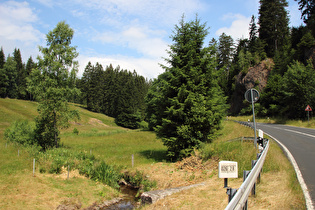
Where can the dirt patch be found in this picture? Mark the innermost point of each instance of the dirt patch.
(64, 174)
(94, 121)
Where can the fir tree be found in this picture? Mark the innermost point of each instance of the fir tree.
(30, 65)
(307, 8)
(21, 75)
(186, 102)
(9, 69)
(2, 58)
(274, 25)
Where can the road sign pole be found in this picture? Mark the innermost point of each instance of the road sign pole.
(252, 97)
(308, 116)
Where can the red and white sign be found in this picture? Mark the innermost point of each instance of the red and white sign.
(308, 108)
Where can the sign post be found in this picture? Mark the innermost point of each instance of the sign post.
(308, 109)
(228, 169)
(252, 95)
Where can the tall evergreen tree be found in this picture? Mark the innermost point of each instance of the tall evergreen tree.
(225, 53)
(253, 34)
(189, 104)
(21, 74)
(3, 76)
(11, 75)
(307, 8)
(30, 65)
(274, 25)
(2, 58)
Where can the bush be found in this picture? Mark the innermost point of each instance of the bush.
(21, 132)
(143, 125)
(76, 131)
(138, 180)
(128, 120)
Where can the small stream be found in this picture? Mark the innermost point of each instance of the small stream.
(129, 200)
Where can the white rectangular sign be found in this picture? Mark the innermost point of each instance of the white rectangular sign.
(260, 133)
(228, 169)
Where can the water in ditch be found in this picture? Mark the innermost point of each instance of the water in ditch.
(129, 200)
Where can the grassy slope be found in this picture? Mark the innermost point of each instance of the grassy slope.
(99, 134)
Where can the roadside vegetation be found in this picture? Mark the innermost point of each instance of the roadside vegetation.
(299, 123)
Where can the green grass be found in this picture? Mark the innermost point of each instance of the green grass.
(299, 123)
(99, 135)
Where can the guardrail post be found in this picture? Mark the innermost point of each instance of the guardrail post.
(253, 163)
(254, 189)
(258, 155)
(231, 192)
(245, 174)
(245, 205)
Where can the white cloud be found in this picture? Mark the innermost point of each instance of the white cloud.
(158, 12)
(145, 41)
(17, 30)
(47, 3)
(16, 20)
(239, 27)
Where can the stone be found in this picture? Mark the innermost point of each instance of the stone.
(153, 196)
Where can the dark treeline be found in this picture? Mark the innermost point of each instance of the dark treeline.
(14, 74)
(115, 92)
(112, 91)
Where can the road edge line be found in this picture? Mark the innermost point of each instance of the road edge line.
(308, 200)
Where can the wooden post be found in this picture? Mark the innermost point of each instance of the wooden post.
(68, 171)
(34, 167)
(132, 160)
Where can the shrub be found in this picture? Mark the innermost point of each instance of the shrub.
(128, 120)
(138, 180)
(21, 132)
(76, 131)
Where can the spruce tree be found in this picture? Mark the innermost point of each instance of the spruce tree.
(186, 104)
(274, 25)
(307, 8)
(225, 54)
(3, 76)
(30, 65)
(9, 69)
(21, 74)
(2, 58)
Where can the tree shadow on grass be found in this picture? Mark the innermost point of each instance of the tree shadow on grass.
(157, 155)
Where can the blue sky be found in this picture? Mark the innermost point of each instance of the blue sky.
(134, 34)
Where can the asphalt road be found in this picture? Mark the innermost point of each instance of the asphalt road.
(301, 143)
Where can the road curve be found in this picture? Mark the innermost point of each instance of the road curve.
(301, 144)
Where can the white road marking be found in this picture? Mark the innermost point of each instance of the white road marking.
(292, 131)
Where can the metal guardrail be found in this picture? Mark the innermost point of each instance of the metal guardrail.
(239, 200)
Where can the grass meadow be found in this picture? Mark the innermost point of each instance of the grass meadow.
(98, 135)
